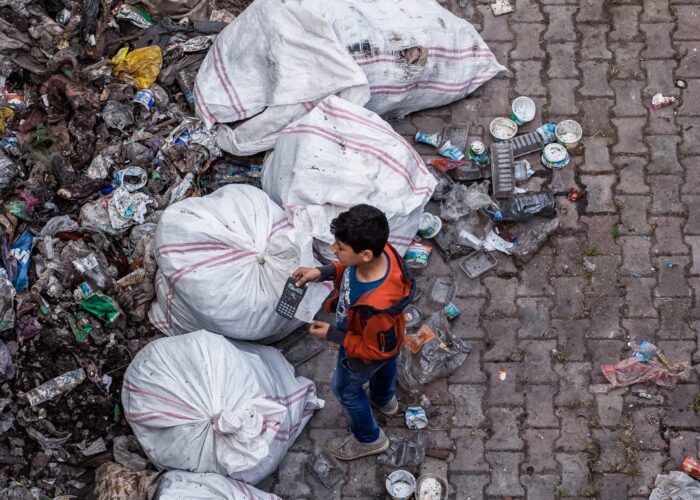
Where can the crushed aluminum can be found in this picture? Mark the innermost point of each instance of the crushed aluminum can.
(691, 466)
(548, 132)
(432, 139)
(555, 156)
(660, 101)
(451, 311)
(416, 417)
(145, 98)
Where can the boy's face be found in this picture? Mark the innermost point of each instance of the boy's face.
(348, 257)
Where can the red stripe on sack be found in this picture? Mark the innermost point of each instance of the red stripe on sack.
(245, 489)
(226, 82)
(143, 417)
(344, 113)
(396, 59)
(436, 88)
(459, 51)
(202, 248)
(462, 57)
(276, 229)
(190, 244)
(138, 390)
(303, 390)
(377, 153)
(308, 106)
(465, 83)
(230, 259)
(201, 104)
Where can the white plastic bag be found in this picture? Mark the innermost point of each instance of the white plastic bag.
(340, 155)
(675, 485)
(279, 58)
(179, 485)
(202, 403)
(223, 261)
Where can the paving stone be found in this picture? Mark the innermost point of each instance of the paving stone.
(573, 384)
(567, 257)
(539, 406)
(502, 52)
(664, 159)
(627, 63)
(495, 27)
(469, 453)
(600, 233)
(680, 412)
(291, 475)
(658, 40)
(562, 97)
(695, 283)
(528, 77)
(614, 485)
(691, 95)
(363, 478)
(438, 393)
(527, 36)
(471, 485)
(662, 121)
(562, 60)
(565, 178)
(537, 362)
(534, 279)
(612, 456)
(567, 212)
(656, 11)
(574, 471)
(534, 316)
(665, 191)
(502, 292)
(540, 486)
(692, 204)
(689, 66)
(466, 325)
(595, 79)
(504, 429)
(674, 313)
(594, 42)
(694, 242)
(329, 416)
(540, 443)
(605, 315)
(560, 27)
(504, 392)
(688, 19)
(605, 352)
(609, 408)
(633, 215)
(599, 193)
(638, 302)
(591, 10)
(470, 371)
(625, 23)
(501, 339)
(527, 11)
(635, 255)
(496, 101)
(660, 76)
(595, 117)
(629, 134)
(571, 337)
(668, 237)
(468, 404)
(647, 429)
(575, 430)
(567, 298)
(504, 474)
(631, 170)
(691, 166)
(678, 350)
(628, 98)
(650, 465)
(597, 156)
(683, 444)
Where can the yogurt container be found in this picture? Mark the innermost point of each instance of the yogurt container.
(523, 110)
(145, 98)
(400, 485)
(555, 156)
(503, 128)
(569, 133)
(430, 225)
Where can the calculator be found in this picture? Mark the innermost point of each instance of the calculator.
(290, 299)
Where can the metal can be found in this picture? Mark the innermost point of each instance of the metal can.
(145, 98)
(451, 311)
(555, 156)
(478, 154)
(416, 417)
(691, 466)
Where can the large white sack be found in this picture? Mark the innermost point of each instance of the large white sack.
(340, 155)
(223, 261)
(202, 403)
(180, 485)
(281, 57)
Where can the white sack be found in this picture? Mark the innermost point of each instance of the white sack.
(281, 57)
(202, 403)
(179, 485)
(340, 155)
(223, 261)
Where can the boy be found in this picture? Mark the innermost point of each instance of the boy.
(372, 288)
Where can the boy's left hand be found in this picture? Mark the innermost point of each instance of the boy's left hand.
(319, 329)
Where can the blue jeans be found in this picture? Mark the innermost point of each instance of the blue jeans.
(347, 387)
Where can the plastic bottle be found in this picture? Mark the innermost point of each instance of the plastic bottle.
(522, 207)
(91, 270)
(187, 86)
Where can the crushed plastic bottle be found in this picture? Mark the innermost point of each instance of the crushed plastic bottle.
(522, 207)
(326, 468)
(404, 452)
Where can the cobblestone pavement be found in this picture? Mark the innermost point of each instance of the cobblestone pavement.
(543, 433)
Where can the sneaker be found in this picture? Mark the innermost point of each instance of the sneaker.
(390, 409)
(349, 448)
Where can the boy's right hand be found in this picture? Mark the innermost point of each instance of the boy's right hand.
(305, 275)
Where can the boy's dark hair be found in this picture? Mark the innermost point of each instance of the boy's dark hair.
(363, 227)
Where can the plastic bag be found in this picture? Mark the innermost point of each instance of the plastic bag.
(655, 368)
(675, 485)
(464, 200)
(342, 144)
(102, 306)
(223, 262)
(179, 485)
(202, 403)
(140, 66)
(21, 250)
(7, 302)
(7, 365)
(432, 352)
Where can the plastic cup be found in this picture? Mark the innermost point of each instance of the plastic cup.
(523, 110)
(569, 133)
(400, 485)
(503, 128)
